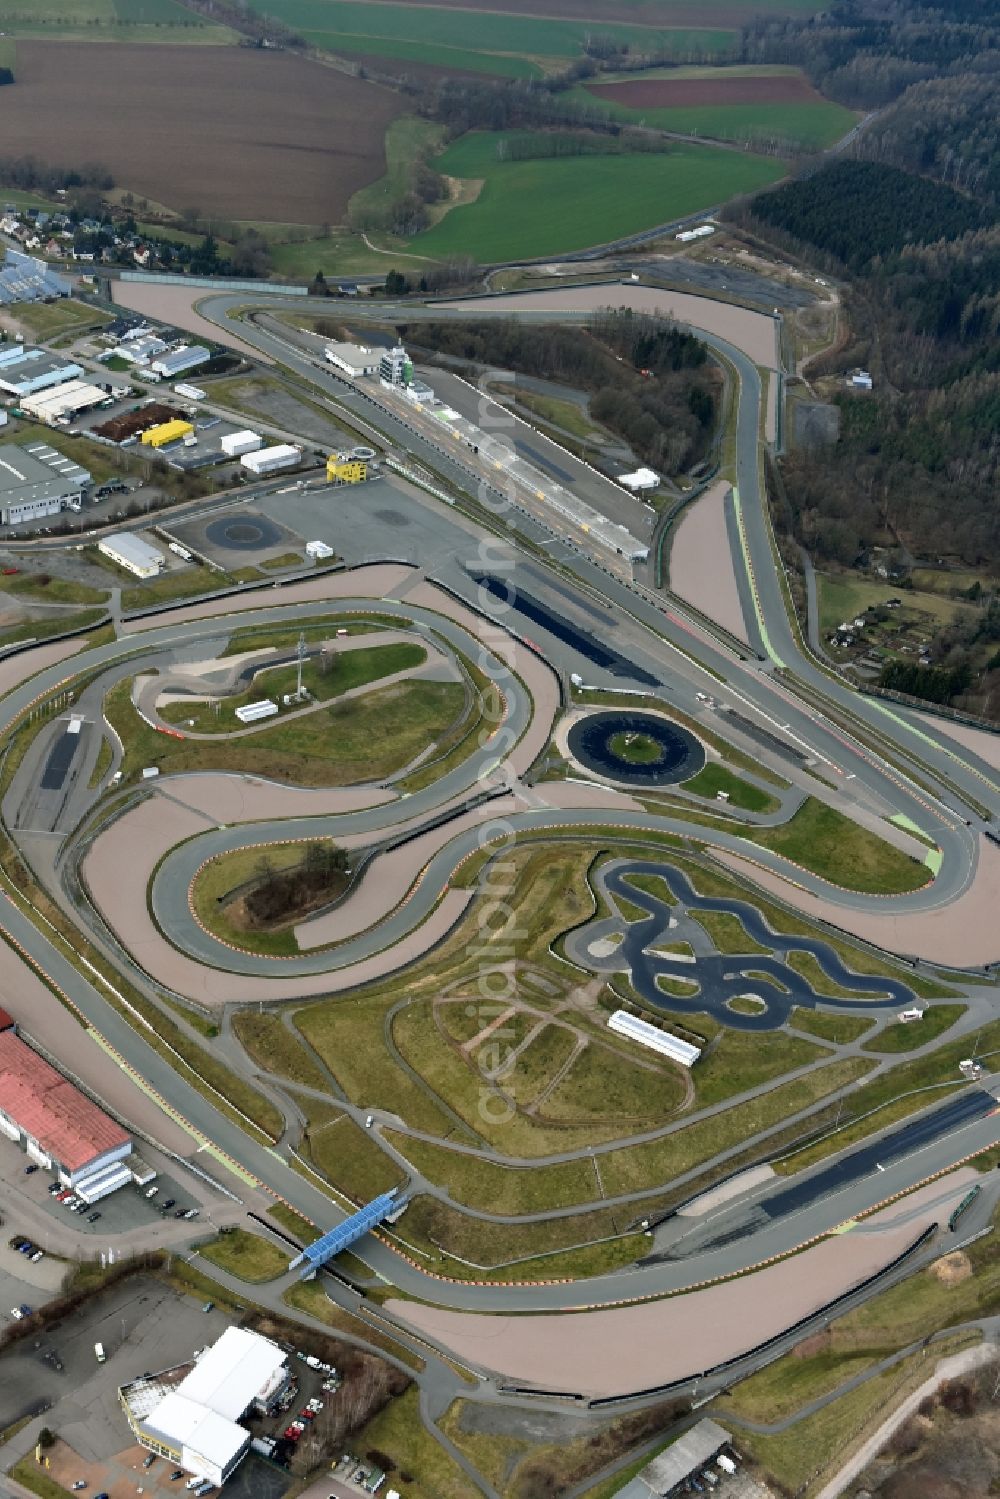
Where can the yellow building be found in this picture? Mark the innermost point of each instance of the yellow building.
(344, 468)
(166, 432)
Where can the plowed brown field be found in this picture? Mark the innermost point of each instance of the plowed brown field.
(236, 132)
(668, 93)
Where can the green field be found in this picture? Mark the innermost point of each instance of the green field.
(478, 40)
(554, 205)
(46, 319)
(110, 20)
(831, 845)
(810, 123)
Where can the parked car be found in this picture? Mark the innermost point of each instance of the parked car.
(30, 1170)
(62, 1195)
(166, 1206)
(149, 1460)
(192, 1212)
(81, 1483)
(26, 1247)
(181, 1213)
(93, 1217)
(38, 1254)
(16, 1313)
(177, 1473)
(54, 1187)
(151, 1191)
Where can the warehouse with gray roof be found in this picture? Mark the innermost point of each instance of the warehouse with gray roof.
(24, 369)
(36, 481)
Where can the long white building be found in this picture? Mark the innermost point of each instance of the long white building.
(650, 1035)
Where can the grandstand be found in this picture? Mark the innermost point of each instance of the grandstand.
(23, 279)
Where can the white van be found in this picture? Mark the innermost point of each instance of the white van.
(99, 1353)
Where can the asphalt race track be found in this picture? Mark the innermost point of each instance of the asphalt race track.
(883, 762)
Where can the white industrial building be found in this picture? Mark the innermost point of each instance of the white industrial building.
(24, 370)
(36, 481)
(271, 460)
(180, 360)
(354, 359)
(318, 550)
(191, 1415)
(650, 1035)
(254, 712)
(133, 553)
(235, 444)
(59, 1127)
(140, 350)
(52, 406)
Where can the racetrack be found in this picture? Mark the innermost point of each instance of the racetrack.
(654, 637)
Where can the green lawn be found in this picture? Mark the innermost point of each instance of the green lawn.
(363, 740)
(477, 40)
(845, 596)
(825, 841)
(275, 1048)
(728, 932)
(49, 590)
(247, 1255)
(46, 319)
(908, 1035)
(812, 123)
(840, 1029)
(557, 412)
(348, 670)
(715, 778)
(58, 624)
(553, 205)
(806, 964)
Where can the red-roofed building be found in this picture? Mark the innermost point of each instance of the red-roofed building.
(7, 1021)
(58, 1125)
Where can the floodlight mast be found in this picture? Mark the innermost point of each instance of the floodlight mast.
(301, 653)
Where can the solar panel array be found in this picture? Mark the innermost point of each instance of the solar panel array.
(23, 279)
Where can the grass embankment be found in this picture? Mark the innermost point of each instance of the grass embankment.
(551, 205)
(45, 589)
(829, 844)
(715, 778)
(899, 1092)
(366, 739)
(219, 886)
(345, 672)
(292, 1222)
(274, 1048)
(246, 1255)
(59, 624)
(310, 1297)
(347, 1155)
(278, 637)
(841, 1029)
